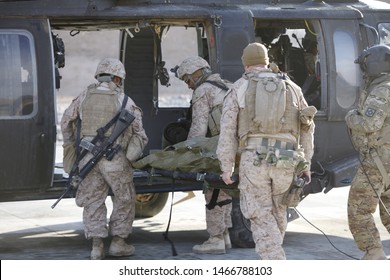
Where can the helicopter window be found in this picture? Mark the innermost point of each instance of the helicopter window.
(293, 47)
(347, 79)
(384, 33)
(178, 44)
(18, 76)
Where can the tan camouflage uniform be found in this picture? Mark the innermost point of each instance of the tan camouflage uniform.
(203, 99)
(116, 174)
(261, 185)
(369, 126)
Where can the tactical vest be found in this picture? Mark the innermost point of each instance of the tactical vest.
(271, 109)
(97, 109)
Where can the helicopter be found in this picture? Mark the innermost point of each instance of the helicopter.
(329, 33)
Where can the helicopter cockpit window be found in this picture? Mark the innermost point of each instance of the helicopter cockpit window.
(384, 33)
(347, 79)
(18, 74)
(293, 46)
(177, 44)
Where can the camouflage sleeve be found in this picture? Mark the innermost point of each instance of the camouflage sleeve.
(68, 121)
(200, 114)
(373, 112)
(306, 136)
(307, 141)
(228, 139)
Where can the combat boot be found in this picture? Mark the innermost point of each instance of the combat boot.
(215, 245)
(375, 254)
(119, 248)
(226, 238)
(97, 252)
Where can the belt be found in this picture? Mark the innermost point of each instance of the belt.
(256, 142)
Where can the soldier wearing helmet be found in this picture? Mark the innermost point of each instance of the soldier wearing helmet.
(208, 93)
(266, 120)
(93, 109)
(108, 69)
(369, 126)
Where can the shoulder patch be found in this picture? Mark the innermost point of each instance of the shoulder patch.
(370, 112)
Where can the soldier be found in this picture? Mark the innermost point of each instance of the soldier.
(95, 107)
(208, 93)
(369, 126)
(266, 119)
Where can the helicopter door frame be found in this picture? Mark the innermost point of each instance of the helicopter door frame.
(27, 103)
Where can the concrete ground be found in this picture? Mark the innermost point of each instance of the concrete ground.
(31, 230)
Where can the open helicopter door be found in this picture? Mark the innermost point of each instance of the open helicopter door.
(141, 55)
(27, 111)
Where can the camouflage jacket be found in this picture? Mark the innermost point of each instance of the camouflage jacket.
(369, 123)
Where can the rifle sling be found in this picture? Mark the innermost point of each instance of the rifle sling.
(381, 168)
(220, 85)
(213, 201)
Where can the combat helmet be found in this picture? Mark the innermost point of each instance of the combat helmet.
(110, 67)
(375, 60)
(191, 65)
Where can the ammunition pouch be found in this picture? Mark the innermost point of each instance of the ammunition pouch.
(70, 156)
(214, 120)
(275, 152)
(277, 157)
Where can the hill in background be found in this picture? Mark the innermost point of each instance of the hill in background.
(84, 51)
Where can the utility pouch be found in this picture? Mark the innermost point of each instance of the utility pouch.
(294, 194)
(277, 157)
(285, 159)
(215, 119)
(292, 197)
(70, 157)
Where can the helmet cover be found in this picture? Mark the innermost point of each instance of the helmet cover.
(111, 66)
(191, 65)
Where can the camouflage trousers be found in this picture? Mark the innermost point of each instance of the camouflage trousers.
(362, 203)
(92, 194)
(261, 194)
(218, 219)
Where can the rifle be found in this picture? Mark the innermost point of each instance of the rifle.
(105, 148)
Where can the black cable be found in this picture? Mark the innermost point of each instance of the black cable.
(165, 234)
(325, 236)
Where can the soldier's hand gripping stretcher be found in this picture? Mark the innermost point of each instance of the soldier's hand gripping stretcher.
(228, 178)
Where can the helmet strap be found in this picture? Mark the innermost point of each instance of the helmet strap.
(114, 87)
(201, 75)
